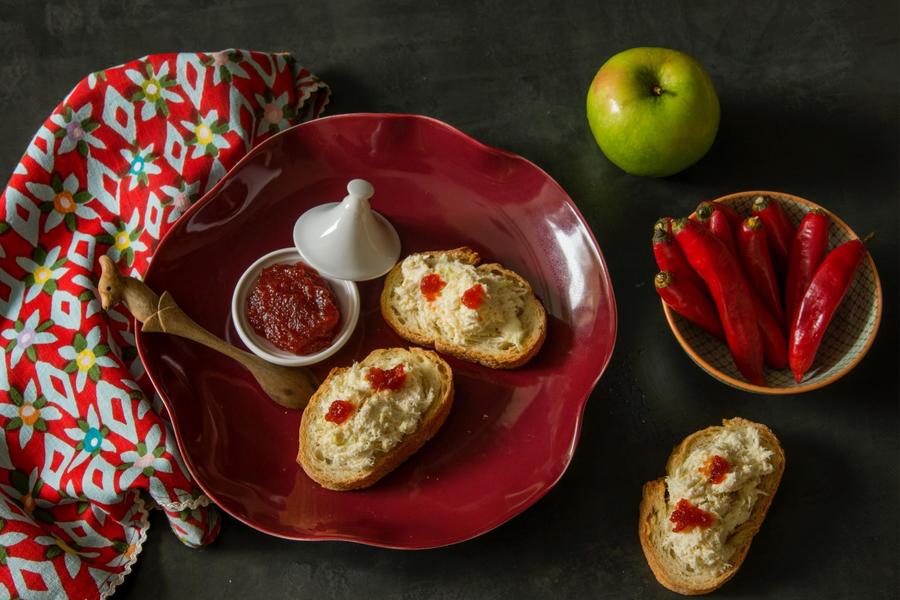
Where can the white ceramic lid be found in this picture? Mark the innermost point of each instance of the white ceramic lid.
(347, 239)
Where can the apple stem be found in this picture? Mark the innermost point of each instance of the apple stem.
(657, 90)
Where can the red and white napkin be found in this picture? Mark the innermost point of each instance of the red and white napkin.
(84, 450)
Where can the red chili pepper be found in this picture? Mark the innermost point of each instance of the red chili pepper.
(772, 334)
(754, 251)
(670, 258)
(780, 230)
(721, 228)
(731, 292)
(823, 296)
(689, 301)
(807, 253)
(771, 328)
(706, 208)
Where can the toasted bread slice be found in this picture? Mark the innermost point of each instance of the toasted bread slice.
(505, 331)
(697, 561)
(384, 427)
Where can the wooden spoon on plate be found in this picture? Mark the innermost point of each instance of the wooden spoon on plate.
(290, 387)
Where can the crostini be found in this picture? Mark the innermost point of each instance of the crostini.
(365, 420)
(696, 524)
(448, 301)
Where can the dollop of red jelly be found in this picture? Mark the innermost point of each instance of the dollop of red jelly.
(431, 286)
(387, 379)
(474, 296)
(293, 307)
(688, 516)
(715, 469)
(339, 411)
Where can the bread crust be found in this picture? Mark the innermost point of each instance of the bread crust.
(654, 510)
(506, 360)
(431, 422)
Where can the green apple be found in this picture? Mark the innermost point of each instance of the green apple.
(653, 111)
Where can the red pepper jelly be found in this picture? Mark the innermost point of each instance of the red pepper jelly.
(339, 411)
(687, 516)
(390, 379)
(293, 307)
(715, 469)
(431, 286)
(474, 296)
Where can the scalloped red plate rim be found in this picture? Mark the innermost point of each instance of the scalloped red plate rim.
(570, 451)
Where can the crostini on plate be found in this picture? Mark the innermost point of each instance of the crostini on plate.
(447, 300)
(366, 419)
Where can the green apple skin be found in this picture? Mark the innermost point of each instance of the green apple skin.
(653, 111)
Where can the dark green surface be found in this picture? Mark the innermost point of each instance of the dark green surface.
(809, 99)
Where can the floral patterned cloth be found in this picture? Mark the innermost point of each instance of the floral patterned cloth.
(83, 449)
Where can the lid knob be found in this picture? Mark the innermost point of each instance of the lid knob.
(359, 188)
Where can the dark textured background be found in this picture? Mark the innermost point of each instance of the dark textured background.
(810, 100)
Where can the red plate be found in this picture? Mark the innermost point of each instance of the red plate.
(511, 434)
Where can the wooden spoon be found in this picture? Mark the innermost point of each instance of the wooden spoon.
(288, 386)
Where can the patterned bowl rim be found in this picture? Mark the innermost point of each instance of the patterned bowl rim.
(812, 385)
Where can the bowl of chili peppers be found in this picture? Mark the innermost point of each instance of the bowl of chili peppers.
(768, 292)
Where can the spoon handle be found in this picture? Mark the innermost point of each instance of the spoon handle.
(159, 314)
(174, 321)
(289, 387)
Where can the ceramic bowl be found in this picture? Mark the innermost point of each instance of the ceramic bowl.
(346, 293)
(848, 338)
